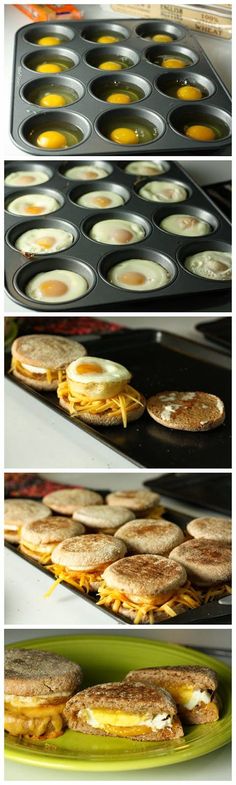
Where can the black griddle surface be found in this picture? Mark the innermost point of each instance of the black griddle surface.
(208, 491)
(159, 361)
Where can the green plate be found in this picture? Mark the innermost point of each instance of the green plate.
(108, 658)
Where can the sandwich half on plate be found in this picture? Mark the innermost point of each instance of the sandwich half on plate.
(134, 711)
(192, 687)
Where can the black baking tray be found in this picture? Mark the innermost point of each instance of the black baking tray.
(218, 331)
(206, 491)
(208, 614)
(93, 259)
(159, 361)
(93, 115)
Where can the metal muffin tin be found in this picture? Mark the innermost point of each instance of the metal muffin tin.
(93, 115)
(206, 614)
(93, 259)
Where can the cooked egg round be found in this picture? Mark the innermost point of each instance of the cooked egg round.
(189, 92)
(163, 191)
(49, 40)
(33, 204)
(139, 275)
(44, 241)
(51, 140)
(215, 265)
(202, 133)
(94, 369)
(87, 172)
(56, 286)
(27, 178)
(147, 168)
(186, 225)
(117, 232)
(110, 65)
(101, 199)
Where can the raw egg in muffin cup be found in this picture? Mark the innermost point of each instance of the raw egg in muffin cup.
(51, 94)
(55, 64)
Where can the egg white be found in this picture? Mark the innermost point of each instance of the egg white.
(28, 242)
(17, 178)
(111, 371)
(80, 172)
(175, 225)
(206, 264)
(103, 231)
(141, 167)
(156, 276)
(87, 200)
(19, 205)
(163, 191)
(77, 286)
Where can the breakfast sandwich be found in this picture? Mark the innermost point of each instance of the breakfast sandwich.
(134, 711)
(66, 500)
(142, 502)
(211, 528)
(41, 360)
(98, 392)
(21, 512)
(187, 411)
(147, 588)
(150, 535)
(103, 518)
(81, 560)
(193, 689)
(37, 686)
(207, 563)
(39, 538)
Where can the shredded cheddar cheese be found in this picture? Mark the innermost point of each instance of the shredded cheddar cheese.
(120, 404)
(186, 596)
(218, 591)
(50, 375)
(80, 580)
(43, 558)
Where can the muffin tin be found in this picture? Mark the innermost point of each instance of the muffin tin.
(93, 115)
(158, 361)
(93, 259)
(208, 613)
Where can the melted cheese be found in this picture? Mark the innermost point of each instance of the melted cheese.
(33, 721)
(187, 597)
(41, 553)
(42, 374)
(115, 719)
(187, 696)
(122, 404)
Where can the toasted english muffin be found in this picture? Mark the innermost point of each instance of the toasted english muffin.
(148, 535)
(212, 528)
(18, 513)
(186, 411)
(40, 360)
(206, 562)
(67, 500)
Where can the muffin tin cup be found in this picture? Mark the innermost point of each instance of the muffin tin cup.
(49, 83)
(46, 120)
(209, 245)
(171, 141)
(171, 51)
(114, 118)
(166, 80)
(180, 208)
(48, 54)
(87, 187)
(37, 189)
(45, 264)
(37, 31)
(42, 223)
(160, 178)
(103, 82)
(148, 29)
(158, 244)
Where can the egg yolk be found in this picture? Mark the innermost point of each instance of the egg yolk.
(101, 201)
(52, 99)
(122, 236)
(26, 180)
(201, 133)
(89, 368)
(134, 279)
(48, 40)
(173, 62)
(51, 139)
(90, 175)
(53, 288)
(110, 65)
(33, 209)
(189, 93)
(48, 68)
(45, 242)
(107, 39)
(162, 38)
(124, 136)
(119, 98)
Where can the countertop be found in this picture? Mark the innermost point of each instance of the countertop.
(210, 768)
(36, 437)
